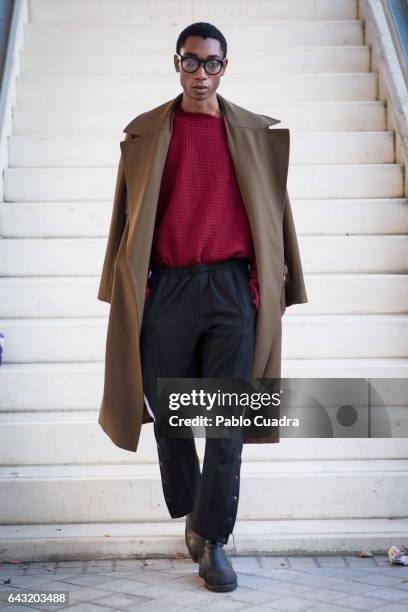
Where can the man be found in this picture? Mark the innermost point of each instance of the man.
(202, 299)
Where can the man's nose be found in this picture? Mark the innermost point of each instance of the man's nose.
(201, 72)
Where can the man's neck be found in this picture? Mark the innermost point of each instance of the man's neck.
(209, 107)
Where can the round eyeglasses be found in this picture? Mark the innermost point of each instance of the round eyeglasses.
(191, 64)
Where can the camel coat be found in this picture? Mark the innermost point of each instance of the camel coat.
(261, 158)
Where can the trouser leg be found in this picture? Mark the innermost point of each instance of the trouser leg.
(168, 339)
(229, 318)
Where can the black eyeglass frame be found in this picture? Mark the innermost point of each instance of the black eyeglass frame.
(203, 62)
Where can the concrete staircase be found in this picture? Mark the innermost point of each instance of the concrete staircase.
(65, 490)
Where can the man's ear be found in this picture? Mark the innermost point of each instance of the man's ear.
(175, 59)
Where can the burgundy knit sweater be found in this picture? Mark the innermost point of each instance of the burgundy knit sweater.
(201, 217)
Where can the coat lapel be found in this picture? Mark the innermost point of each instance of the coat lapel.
(260, 156)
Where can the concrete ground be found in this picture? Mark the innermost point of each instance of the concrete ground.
(287, 583)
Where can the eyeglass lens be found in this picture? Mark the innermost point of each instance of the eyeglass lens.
(190, 64)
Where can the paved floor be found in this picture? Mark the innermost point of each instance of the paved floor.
(313, 583)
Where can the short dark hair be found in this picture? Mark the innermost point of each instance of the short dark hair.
(203, 29)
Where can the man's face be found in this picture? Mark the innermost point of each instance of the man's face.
(200, 48)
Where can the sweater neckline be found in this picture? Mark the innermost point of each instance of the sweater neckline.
(181, 111)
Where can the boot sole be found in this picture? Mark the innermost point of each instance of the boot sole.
(223, 588)
(220, 588)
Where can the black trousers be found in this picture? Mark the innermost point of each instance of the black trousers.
(199, 322)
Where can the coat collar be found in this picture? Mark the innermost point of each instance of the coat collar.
(161, 117)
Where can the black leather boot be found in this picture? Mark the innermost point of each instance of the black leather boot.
(194, 541)
(215, 567)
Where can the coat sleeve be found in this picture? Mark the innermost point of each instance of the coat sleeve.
(117, 225)
(295, 291)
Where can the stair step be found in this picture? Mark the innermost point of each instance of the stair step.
(364, 489)
(306, 181)
(34, 151)
(98, 91)
(74, 541)
(321, 216)
(78, 386)
(349, 216)
(304, 337)
(64, 296)
(261, 35)
(48, 12)
(65, 60)
(345, 368)
(75, 437)
(340, 116)
(51, 386)
(320, 254)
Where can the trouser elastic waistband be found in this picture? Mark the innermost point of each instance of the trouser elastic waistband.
(204, 267)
